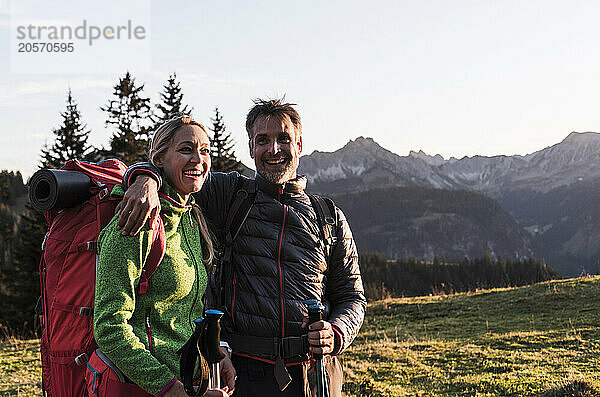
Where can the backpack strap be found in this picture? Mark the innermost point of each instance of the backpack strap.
(238, 212)
(245, 193)
(155, 256)
(328, 221)
(222, 272)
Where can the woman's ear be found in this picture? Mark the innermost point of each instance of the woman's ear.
(156, 159)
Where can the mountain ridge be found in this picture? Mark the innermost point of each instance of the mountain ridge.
(364, 155)
(530, 187)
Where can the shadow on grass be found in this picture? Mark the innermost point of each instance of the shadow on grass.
(525, 343)
(577, 388)
(364, 387)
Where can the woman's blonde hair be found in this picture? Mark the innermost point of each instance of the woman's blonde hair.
(162, 139)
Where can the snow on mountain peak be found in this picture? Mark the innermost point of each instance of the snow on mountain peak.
(364, 160)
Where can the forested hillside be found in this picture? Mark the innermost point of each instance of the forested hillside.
(383, 278)
(400, 222)
(12, 203)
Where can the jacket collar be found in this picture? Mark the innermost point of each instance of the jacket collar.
(292, 187)
(172, 201)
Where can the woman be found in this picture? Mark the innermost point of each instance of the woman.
(141, 334)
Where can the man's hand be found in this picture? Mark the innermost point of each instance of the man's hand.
(177, 390)
(320, 336)
(139, 204)
(227, 373)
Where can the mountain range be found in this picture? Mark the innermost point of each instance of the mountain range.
(550, 194)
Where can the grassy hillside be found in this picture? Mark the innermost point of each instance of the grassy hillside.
(20, 370)
(528, 341)
(531, 341)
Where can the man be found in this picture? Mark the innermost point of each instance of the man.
(278, 261)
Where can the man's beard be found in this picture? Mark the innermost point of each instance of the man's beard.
(280, 176)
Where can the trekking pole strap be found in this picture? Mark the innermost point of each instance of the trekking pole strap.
(191, 361)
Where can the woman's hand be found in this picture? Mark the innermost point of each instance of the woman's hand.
(139, 204)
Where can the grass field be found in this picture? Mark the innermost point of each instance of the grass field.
(542, 340)
(20, 370)
(529, 341)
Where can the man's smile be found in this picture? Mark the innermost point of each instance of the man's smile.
(277, 161)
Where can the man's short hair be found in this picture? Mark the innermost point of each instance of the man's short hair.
(273, 108)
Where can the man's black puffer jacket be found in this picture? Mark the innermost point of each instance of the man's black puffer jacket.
(279, 261)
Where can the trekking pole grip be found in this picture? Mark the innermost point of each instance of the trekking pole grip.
(213, 336)
(214, 354)
(315, 313)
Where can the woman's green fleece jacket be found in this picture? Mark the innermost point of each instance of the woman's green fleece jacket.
(142, 333)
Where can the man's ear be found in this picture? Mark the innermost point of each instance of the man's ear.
(251, 147)
(300, 144)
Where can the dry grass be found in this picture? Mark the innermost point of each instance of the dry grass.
(542, 340)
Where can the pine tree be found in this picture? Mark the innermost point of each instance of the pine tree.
(129, 113)
(12, 190)
(171, 102)
(21, 285)
(71, 138)
(221, 147)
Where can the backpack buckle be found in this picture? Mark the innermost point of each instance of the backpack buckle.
(103, 193)
(44, 242)
(81, 359)
(85, 311)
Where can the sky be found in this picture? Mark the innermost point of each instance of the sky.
(456, 78)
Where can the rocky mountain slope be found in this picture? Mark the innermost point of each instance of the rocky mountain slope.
(362, 164)
(401, 222)
(550, 192)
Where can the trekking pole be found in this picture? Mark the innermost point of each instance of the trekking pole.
(213, 352)
(315, 313)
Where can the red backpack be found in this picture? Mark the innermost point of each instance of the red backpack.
(68, 278)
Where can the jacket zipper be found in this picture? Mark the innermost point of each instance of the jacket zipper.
(196, 275)
(149, 331)
(281, 271)
(233, 302)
